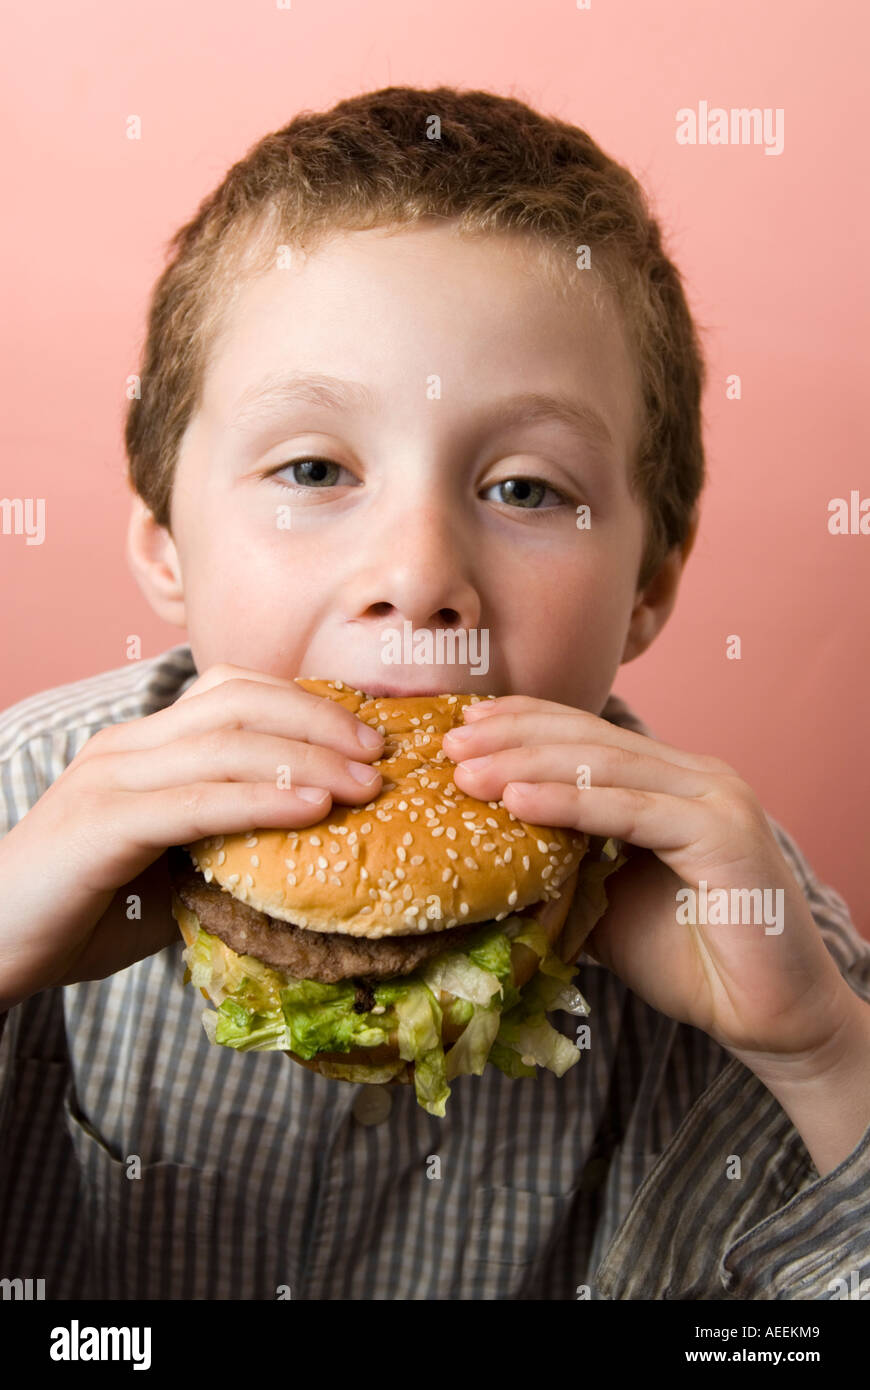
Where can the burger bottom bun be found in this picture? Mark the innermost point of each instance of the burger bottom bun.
(551, 913)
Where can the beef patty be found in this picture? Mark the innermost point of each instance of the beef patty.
(307, 955)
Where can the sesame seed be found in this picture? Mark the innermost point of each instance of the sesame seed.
(403, 805)
(445, 875)
(525, 861)
(414, 815)
(334, 847)
(208, 875)
(471, 864)
(546, 871)
(291, 863)
(451, 853)
(417, 800)
(542, 846)
(463, 908)
(493, 824)
(334, 878)
(255, 860)
(249, 882)
(468, 815)
(314, 840)
(400, 873)
(475, 841)
(341, 864)
(232, 880)
(322, 861)
(221, 857)
(416, 859)
(310, 870)
(512, 897)
(366, 829)
(488, 846)
(354, 849)
(291, 879)
(251, 842)
(407, 838)
(407, 892)
(401, 853)
(439, 830)
(363, 873)
(451, 833)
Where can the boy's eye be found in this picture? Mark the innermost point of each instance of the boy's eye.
(523, 492)
(319, 472)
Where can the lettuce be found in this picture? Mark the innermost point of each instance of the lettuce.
(469, 1054)
(261, 1009)
(420, 1017)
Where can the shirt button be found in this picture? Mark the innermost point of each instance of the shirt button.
(372, 1105)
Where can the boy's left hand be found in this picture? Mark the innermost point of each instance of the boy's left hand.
(772, 999)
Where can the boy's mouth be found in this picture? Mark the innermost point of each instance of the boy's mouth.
(377, 689)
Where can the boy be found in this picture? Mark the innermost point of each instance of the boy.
(419, 359)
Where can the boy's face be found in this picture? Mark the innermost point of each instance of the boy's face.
(431, 341)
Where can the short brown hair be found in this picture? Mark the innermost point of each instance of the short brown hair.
(496, 165)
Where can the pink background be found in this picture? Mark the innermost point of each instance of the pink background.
(773, 249)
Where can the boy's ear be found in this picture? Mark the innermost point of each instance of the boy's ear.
(153, 561)
(654, 604)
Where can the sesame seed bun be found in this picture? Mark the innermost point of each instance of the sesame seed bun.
(422, 856)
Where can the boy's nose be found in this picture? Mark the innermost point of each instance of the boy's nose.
(419, 569)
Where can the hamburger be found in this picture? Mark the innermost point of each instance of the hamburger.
(419, 937)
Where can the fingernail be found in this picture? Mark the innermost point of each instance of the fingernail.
(361, 772)
(458, 733)
(475, 764)
(369, 737)
(310, 793)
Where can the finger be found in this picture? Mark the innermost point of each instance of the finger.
(652, 820)
(500, 731)
(181, 815)
(236, 755)
(594, 764)
(270, 707)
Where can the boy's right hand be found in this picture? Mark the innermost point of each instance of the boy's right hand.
(206, 765)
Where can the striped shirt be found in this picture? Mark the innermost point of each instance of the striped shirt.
(139, 1161)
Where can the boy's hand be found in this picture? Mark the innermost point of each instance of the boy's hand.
(766, 997)
(206, 765)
